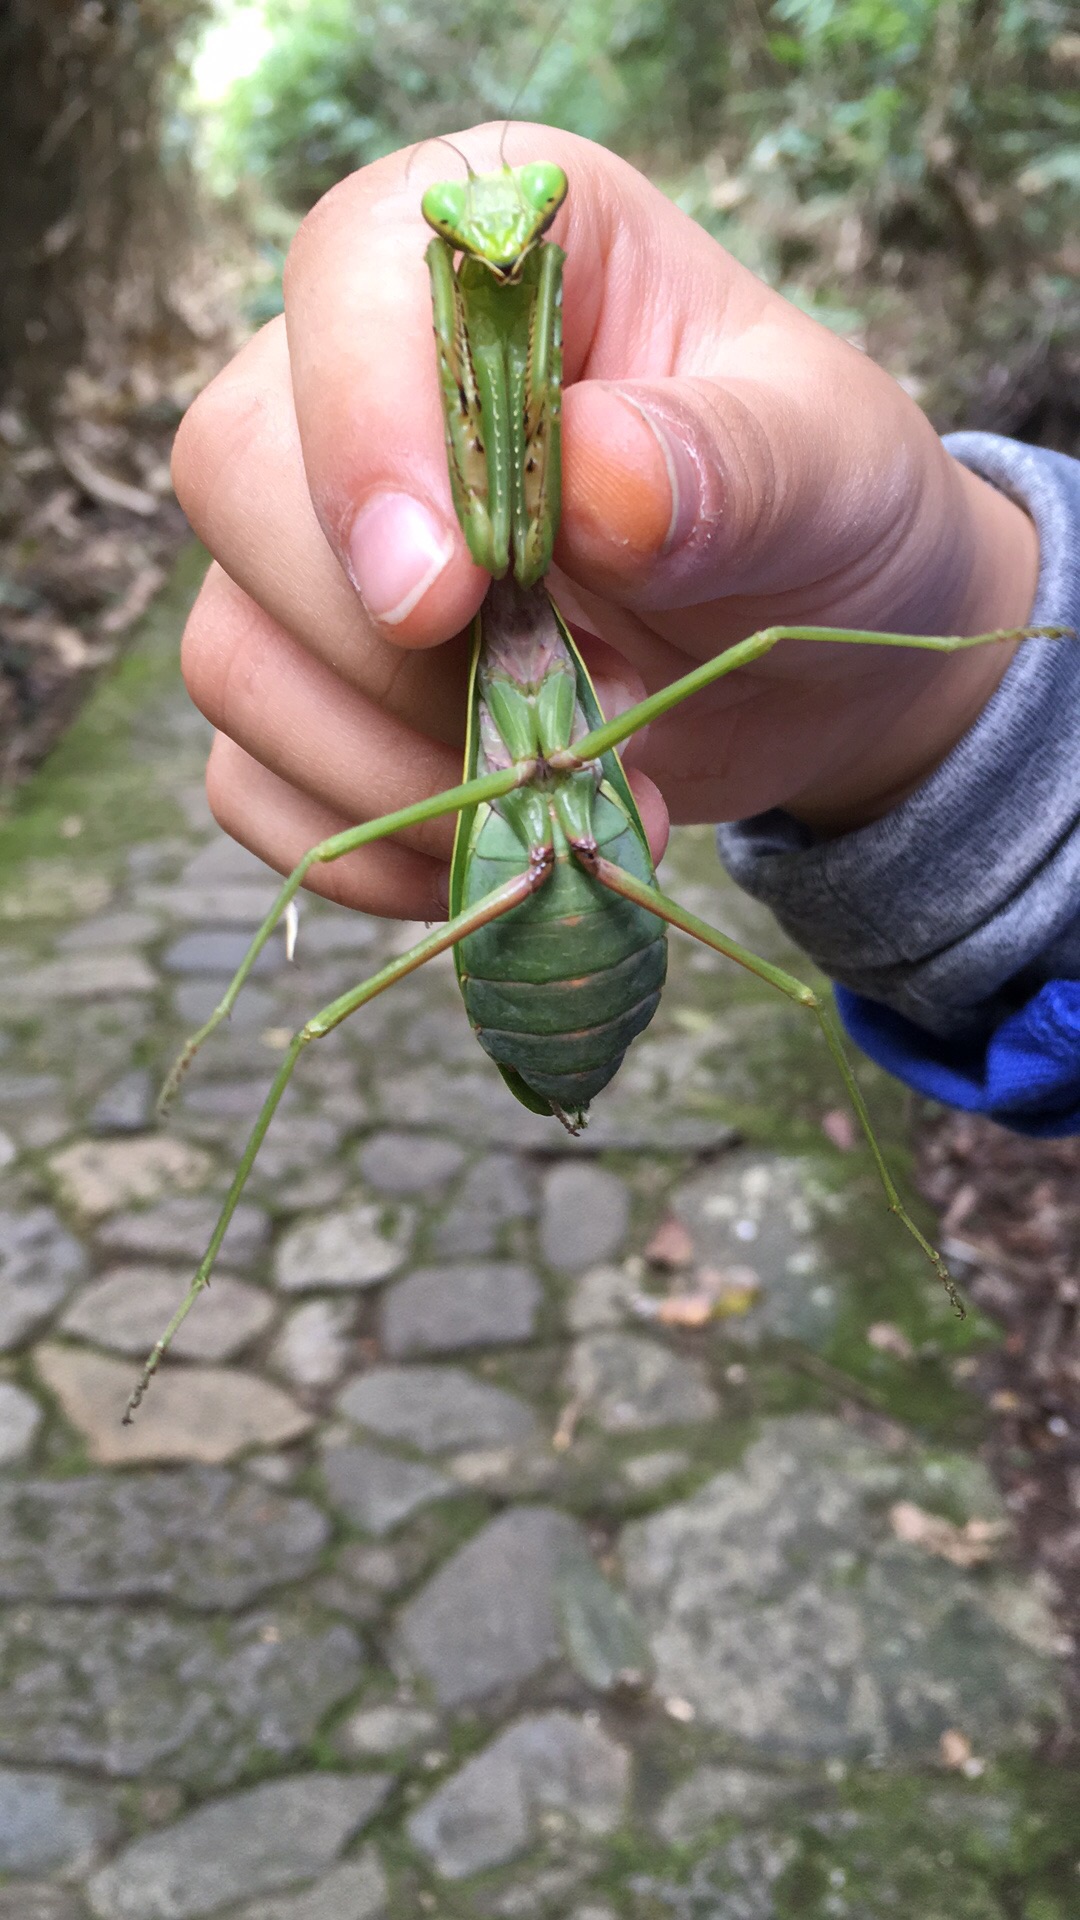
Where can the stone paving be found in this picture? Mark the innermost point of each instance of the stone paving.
(524, 1526)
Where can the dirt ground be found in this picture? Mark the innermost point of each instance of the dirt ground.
(1010, 1211)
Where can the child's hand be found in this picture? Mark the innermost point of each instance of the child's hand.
(728, 465)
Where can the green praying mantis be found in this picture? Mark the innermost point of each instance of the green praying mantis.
(556, 922)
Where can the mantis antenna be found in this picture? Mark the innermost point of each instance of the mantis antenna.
(529, 76)
(438, 140)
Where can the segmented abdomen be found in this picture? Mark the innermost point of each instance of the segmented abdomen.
(559, 987)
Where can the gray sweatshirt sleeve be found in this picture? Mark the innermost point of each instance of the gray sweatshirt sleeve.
(967, 896)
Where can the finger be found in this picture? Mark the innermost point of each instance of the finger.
(238, 470)
(279, 824)
(653, 810)
(288, 711)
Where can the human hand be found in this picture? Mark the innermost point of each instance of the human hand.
(728, 464)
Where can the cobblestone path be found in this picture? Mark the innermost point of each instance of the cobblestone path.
(441, 1574)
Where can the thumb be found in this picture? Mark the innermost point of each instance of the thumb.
(682, 491)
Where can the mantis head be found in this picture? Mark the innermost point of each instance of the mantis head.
(497, 217)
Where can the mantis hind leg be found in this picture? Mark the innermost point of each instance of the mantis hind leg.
(491, 907)
(618, 881)
(487, 787)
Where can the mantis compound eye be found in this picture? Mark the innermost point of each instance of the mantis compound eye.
(544, 187)
(443, 207)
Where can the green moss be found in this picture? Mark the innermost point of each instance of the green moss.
(98, 774)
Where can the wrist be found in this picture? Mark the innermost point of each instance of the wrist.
(933, 700)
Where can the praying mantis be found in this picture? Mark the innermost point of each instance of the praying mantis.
(556, 923)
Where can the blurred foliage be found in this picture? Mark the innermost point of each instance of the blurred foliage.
(915, 161)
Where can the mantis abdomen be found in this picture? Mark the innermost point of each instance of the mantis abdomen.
(557, 989)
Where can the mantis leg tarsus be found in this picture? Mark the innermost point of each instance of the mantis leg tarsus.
(491, 907)
(801, 995)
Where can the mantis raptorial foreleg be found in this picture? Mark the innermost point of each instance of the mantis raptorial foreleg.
(501, 901)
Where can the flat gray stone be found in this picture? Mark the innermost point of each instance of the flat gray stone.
(409, 1162)
(751, 1212)
(40, 1262)
(266, 1838)
(223, 858)
(210, 1414)
(495, 1191)
(463, 1305)
(194, 999)
(55, 890)
(544, 1767)
(628, 1383)
(376, 1732)
(49, 1823)
(20, 1418)
(241, 904)
(180, 1229)
(328, 931)
(128, 1694)
(358, 1246)
(130, 929)
(488, 1619)
(298, 1154)
(128, 1307)
(782, 1607)
(601, 1635)
(230, 1107)
(19, 1090)
(382, 1569)
(713, 1793)
(377, 1490)
(647, 1471)
(739, 1880)
(585, 1216)
(605, 1296)
(358, 1890)
(83, 976)
(313, 1347)
(100, 1176)
(436, 1409)
(127, 1106)
(482, 1112)
(197, 1536)
(23, 1900)
(218, 952)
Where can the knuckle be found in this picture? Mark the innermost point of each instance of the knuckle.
(342, 206)
(201, 645)
(221, 787)
(218, 430)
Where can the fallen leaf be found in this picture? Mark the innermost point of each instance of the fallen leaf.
(566, 1426)
(966, 1546)
(718, 1295)
(839, 1127)
(887, 1338)
(954, 1748)
(671, 1245)
(679, 1310)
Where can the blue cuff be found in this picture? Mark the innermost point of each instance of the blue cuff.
(1025, 1075)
